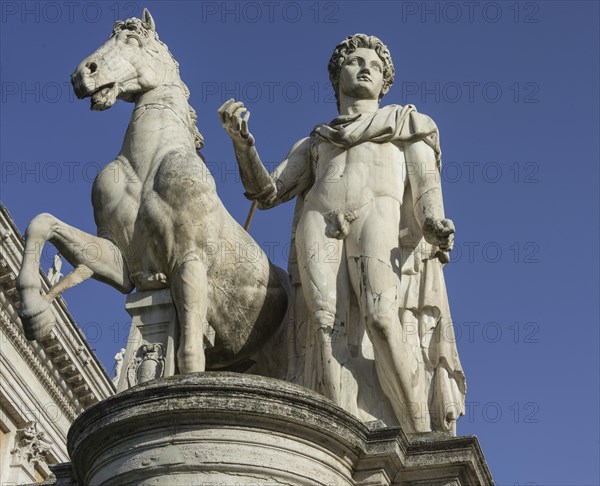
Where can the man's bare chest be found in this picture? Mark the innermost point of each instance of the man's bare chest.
(352, 177)
(370, 163)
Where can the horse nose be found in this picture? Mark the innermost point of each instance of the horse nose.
(87, 67)
(84, 78)
(82, 81)
(92, 67)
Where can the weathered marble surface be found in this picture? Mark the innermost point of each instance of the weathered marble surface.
(370, 237)
(160, 223)
(230, 428)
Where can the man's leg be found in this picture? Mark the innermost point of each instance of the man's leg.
(319, 260)
(370, 249)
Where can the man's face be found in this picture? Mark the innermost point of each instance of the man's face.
(361, 75)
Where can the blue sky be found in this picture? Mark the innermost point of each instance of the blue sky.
(513, 87)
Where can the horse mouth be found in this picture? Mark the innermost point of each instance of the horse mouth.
(103, 97)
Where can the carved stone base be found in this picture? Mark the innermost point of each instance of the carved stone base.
(228, 428)
(152, 344)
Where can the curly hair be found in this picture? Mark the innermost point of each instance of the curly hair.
(349, 45)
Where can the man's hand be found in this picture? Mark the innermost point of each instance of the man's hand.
(234, 118)
(439, 232)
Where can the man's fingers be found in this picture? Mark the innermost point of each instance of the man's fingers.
(230, 114)
(245, 117)
(223, 113)
(224, 106)
(233, 107)
(232, 120)
(239, 111)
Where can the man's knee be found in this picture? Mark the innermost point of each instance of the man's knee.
(324, 320)
(327, 328)
(381, 309)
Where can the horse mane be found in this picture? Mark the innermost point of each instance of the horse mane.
(138, 26)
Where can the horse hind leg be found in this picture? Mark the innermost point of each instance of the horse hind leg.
(189, 289)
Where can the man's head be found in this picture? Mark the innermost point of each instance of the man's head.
(343, 52)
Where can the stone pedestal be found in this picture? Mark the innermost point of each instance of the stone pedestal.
(228, 428)
(152, 344)
(150, 352)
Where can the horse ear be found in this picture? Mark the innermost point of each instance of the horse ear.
(148, 20)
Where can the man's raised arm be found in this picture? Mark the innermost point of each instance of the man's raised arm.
(291, 177)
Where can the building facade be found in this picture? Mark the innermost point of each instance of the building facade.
(43, 385)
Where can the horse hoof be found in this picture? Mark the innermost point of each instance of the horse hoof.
(37, 321)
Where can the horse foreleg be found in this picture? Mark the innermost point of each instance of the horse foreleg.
(90, 255)
(189, 289)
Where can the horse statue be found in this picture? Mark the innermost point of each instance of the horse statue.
(160, 222)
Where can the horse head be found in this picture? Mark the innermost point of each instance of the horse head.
(131, 62)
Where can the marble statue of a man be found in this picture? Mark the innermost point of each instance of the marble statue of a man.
(371, 322)
(54, 274)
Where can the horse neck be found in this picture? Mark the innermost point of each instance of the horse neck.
(160, 123)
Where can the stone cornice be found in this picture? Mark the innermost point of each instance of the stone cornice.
(36, 365)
